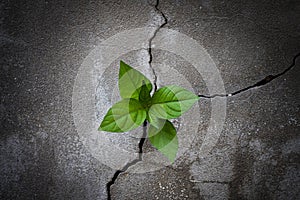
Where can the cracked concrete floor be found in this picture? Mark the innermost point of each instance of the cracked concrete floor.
(43, 44)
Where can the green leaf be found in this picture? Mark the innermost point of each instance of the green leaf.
(164, 139)
(154, 121)
(123, 116)
(170, 102)
(145, 97)
(131, 82)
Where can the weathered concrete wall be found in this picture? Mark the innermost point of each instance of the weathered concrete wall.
(256, 156)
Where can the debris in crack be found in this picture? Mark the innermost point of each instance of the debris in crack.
(262, 82)
(151, 39)
(125, 168)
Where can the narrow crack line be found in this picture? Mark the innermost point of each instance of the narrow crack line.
(150, 43)
(142, 141)
(125, 168)
(262, 82)
(144, 136)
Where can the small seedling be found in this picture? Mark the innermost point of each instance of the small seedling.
(137, 105)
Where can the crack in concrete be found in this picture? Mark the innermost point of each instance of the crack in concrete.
(260, 83)
(142, 140)
(150, 43)
(126, 167)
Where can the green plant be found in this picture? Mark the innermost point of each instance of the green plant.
(137, 105)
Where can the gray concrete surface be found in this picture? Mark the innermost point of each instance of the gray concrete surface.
(43, 44)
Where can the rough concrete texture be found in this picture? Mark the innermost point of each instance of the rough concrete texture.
(43, 44)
